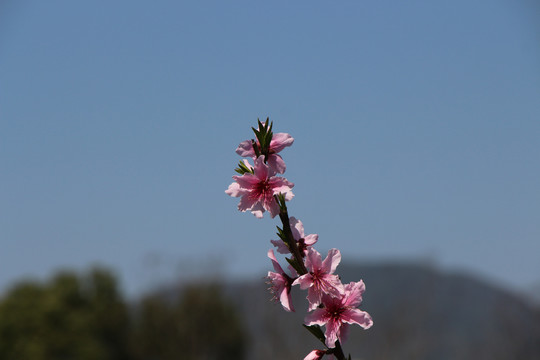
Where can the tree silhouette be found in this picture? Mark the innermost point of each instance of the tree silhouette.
(199, 325)
(72, 317)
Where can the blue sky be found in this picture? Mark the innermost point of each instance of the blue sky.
(416, 126)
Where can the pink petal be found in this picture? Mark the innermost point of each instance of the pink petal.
(280, 185)
(247, 164)
(331, 262)
(344, 332)
(277, 181)
(285, 299)
(275, 263)
(314, 298)
(353, 294)
(276, 162)
(315, 355)
(273, 208)
(280, 141)
(357, 316)
(332, 333)
(297, 228)
(247, 181)
(245, 149)
(261, 169)
(235, 190)
(257, 210)
(304, 281)
(333, 285)
(289, 195)
(277, 279)
(246, 203)
(313, 260)
(318, 317)
(311, 239)
(281, 247)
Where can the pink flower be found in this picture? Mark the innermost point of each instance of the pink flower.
(320, 279)
(338, 312)
(315, 355)
(303, 241)
(257, 190)
(279, 142)
(281, 282)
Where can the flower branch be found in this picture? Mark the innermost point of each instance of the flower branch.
(330, 303)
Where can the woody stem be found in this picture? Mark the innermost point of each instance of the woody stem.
(337, 351)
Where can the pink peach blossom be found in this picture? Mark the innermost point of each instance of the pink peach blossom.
(257, 190)
(320, 279)
(338, 312)
(279, 142)
(303, 241)
(315, 355)
(281, 282)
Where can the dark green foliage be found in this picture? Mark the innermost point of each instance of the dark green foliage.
(317, 332)
(243, 169)
(199, 325)
(70, 318)
(76, 317)
(264, 136)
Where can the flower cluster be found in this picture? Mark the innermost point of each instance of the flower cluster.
(330, 303)
(258, 184)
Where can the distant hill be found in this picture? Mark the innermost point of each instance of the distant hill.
(533, 293)
(419, 313)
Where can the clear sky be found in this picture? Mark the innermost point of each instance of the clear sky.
(416, 126)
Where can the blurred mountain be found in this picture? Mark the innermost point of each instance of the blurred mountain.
(419, 313)
(532, 293)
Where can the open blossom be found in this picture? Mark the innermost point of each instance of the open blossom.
(320, 279)
(338, 312)
(303, 241)
(257, 190)
(281, 283)
(279, 142)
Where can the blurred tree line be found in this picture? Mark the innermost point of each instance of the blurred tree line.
(85, 317)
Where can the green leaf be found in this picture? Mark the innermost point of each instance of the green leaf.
(242, 169)
(264, 136)
(281, 234)
(261, 138)
(317, 332)
(294, 264)
(255, 148)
